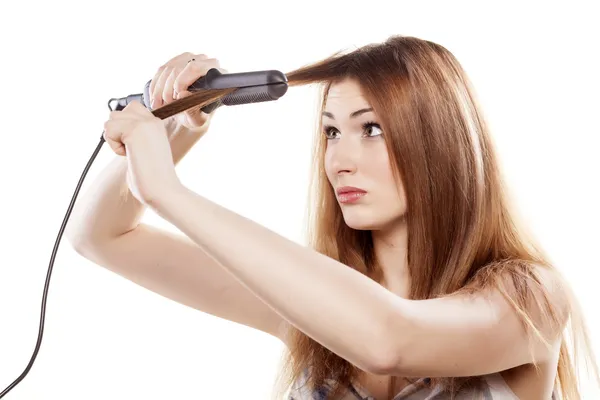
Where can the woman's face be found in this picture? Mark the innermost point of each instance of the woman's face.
(356, 157)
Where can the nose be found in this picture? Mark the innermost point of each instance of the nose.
(344, 154)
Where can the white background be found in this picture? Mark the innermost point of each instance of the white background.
(534, 65)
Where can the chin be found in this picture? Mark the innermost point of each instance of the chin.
(362, 222)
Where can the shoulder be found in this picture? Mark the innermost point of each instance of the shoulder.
(538, 293)
(549, 299)
(539, 296)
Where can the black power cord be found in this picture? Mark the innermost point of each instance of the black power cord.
(251, 87)
(51, 266)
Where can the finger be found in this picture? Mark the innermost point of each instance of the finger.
(179, 59)
(194, 116)
(109, 136)
(193, 71)
(121, 131)
(117, 148)
(159, 71)
(167, 93)
(183, 94)
(154, 80)
(156, 99)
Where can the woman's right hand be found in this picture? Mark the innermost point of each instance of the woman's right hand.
(171, 82)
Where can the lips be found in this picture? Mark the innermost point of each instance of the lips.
(349, 194)
(349, 189)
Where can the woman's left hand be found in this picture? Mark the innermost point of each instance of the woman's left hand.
(138, 135)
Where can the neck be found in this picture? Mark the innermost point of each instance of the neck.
(391, 245)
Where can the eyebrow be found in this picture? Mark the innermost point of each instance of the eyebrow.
(353, 115)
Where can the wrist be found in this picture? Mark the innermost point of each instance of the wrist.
(167, 199)
(183, 139)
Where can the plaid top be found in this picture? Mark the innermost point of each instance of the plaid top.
(493, 387)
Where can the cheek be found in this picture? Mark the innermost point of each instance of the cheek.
(327, 167)
(330, 163)
(393, 190)
(381, 169)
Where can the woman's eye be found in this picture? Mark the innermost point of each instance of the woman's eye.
(330, 132)
(372, 129)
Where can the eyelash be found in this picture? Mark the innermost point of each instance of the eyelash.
(369, 124)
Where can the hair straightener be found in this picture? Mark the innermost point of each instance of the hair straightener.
(252, 87)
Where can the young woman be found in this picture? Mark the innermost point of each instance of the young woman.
(418, 282)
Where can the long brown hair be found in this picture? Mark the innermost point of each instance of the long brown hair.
(464, 233)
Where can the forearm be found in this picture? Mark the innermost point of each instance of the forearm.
(334, 304)
(107, 209)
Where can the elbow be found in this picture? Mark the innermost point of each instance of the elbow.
(83, 238)
(387, 360)
(393, 345)
(74, 235)
(80, 239)
(383, 365)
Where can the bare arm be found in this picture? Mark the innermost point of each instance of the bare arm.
(175, 267)
(349, 313)
(474, 334)
(105, 228)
